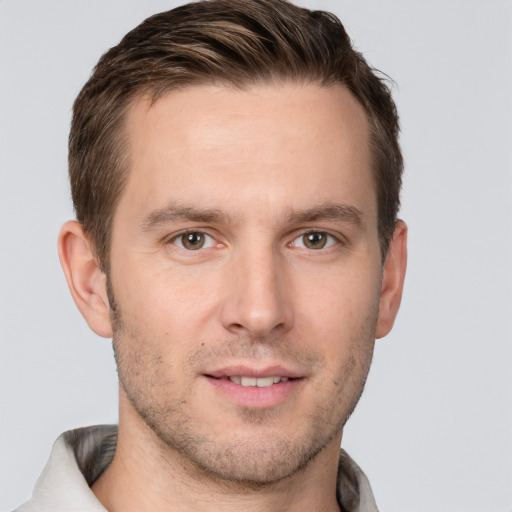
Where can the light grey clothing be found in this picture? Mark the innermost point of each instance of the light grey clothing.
(80, 456)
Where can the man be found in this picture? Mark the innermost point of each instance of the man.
(235, 172)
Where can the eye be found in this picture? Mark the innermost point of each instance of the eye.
(193, 241)
(315, 240)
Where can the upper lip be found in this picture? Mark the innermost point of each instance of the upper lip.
(252, 371)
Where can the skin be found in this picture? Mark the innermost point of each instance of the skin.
(251, 172)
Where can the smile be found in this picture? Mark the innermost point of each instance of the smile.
(260, 382)
(255, 388)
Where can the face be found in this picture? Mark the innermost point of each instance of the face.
(246, 274)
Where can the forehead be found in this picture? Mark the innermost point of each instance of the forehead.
(283, 145)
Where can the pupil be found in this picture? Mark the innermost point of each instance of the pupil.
(193, 240)
(315, 240)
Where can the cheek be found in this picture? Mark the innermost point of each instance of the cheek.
(340, 313)
(337, 300)
(168, 306)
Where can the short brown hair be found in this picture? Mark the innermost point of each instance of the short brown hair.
(235, 42)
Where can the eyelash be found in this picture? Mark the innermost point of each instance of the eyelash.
(180, 236)
(331, 241)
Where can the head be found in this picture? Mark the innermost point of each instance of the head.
(236, 172)
(233, 43)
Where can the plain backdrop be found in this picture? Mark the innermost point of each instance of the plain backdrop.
(433, 430)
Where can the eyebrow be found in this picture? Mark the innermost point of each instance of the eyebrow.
(328, 212)
(174, 213)
(324, 212)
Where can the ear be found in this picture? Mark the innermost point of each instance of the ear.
(87, 283)
(392, 280)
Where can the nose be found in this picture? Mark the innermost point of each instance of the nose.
(258, 296)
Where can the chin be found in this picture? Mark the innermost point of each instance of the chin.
(253, 464)
(254, 457)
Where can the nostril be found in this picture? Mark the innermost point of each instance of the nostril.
(255, 309)
(236, 327)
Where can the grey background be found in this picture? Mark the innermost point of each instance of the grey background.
(434, 428)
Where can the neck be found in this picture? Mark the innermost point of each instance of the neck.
(148, 475)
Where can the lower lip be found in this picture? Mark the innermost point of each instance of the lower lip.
(254, 397)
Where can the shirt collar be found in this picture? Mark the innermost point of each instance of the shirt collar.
(80, 456)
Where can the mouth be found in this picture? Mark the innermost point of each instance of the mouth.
(254, 388)
(258, 382)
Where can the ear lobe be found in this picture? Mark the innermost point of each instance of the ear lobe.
(392, 280)
(87, 283)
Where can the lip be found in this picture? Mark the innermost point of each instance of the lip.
(251, 396)
(253, 371)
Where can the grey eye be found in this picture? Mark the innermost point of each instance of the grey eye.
(314, 240)
(194, 240)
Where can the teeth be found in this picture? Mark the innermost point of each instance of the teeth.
(248, 381)
(264, 382)
(260, 382)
